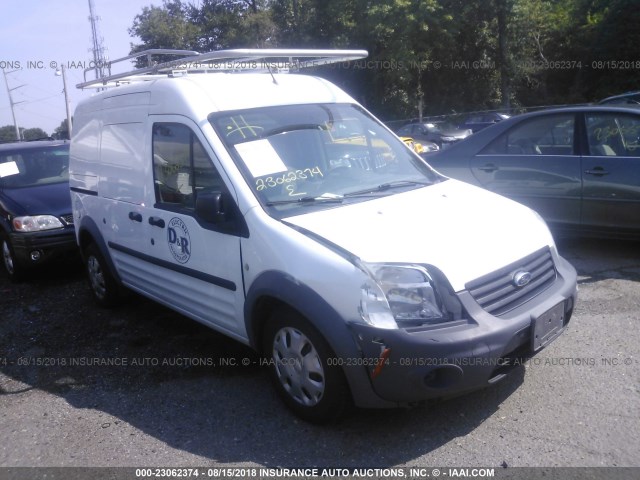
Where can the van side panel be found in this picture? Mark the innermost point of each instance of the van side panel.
(124, 172)
(84, 151)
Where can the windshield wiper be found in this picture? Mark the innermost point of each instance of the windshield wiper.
(387, 186)
(292, 128)
(339, 198)
(308, 200)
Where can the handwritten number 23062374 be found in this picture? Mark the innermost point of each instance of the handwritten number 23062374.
(287, 178)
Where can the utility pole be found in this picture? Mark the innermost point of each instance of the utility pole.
(66, 99)
(12, 103)
(99, 52)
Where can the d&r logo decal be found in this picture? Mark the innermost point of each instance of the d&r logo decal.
(179, 240)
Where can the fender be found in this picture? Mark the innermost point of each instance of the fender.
(285, 289)
(88, 227)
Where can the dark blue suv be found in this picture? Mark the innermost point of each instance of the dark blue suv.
(36, 223)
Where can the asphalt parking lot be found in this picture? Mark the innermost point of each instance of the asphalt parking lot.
(143, 386)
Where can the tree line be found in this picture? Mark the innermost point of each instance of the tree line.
(428, 57)
(8, 133)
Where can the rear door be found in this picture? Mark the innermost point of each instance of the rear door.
(611, 171)
(536, 163)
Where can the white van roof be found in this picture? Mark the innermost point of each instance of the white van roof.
(220, 81)
(199, 95)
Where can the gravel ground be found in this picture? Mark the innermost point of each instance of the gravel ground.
(171, 395)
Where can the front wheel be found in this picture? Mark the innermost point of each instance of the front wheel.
(9, 261)
(104, 286)
(300, 368)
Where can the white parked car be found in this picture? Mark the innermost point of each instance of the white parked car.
(275, 209)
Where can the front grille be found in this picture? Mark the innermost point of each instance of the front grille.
(68, 219)
(497, 293)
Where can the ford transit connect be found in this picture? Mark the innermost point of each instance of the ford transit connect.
(275, 209)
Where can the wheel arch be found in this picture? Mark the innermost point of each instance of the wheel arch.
(89, 233)
(275, 289)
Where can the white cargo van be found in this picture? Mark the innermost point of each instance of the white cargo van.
(275, 209)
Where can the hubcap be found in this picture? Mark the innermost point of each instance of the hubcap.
(7, 258)
(298, 366)
(96, 277)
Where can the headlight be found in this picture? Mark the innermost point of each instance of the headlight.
(448, 139)
(374, 307)
(36, 223)
(401, 295)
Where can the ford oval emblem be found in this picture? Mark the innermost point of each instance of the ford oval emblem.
(521, 278)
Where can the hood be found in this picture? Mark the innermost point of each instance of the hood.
(463, 230)
(52, 199)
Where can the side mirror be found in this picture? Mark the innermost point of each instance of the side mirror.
(210, 207)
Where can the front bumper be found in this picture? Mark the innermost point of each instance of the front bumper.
(412, 365)
(37, 248)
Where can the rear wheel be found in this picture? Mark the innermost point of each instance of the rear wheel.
(14, 271)
(299, 360)
(103, 285)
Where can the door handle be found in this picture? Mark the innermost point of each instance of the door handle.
(489, 167)
(135, 216)
(156, 222)
(597, 171)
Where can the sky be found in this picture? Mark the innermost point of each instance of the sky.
(37, 36)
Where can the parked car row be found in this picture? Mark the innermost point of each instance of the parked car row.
(577, 167)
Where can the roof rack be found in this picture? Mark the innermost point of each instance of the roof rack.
(237, 60)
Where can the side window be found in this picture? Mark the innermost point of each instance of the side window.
(613, 134)
(549, 135)
(181, 166)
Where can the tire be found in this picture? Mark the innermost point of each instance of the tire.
(14, 271)
(103, 285)
(298, 361)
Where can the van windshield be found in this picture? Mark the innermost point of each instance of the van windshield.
(295, 156)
